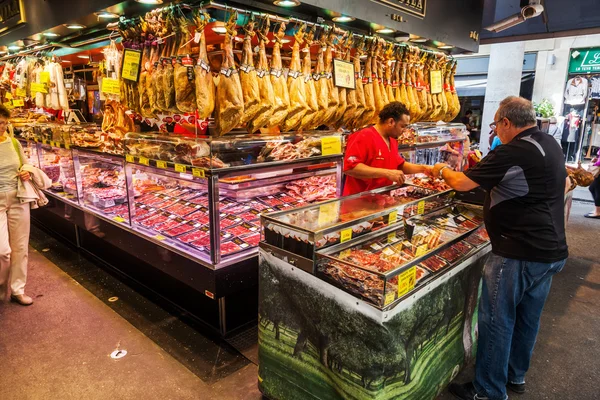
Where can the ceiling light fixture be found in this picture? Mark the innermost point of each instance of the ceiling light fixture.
(221, 30)
(14, 47)
(282, 40)
(86, 57)
(106, 15)
(445, 47)
(38, 46)
(286, 3)
(417, 39)
(2, 52)
(150, 1)
(50, 34)
(343, 18)
(385, 30)
(75, 26)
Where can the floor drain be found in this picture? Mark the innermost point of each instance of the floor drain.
(113, 299)
(45, 250)
(118, 354)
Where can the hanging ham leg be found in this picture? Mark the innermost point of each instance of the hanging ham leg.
(296, 87)
(377, 88)
(368, 78)
(357, 96)
(391, 64)
(280, 90)
(184, 81)
(229, 108)
(399, 90)
(334, 98)
(350, 94)
(411, 95)
(205, 87)
(263, 76)
(248, 78)
(454, 94)
(321, 83)
(338, 118)
(308, 121)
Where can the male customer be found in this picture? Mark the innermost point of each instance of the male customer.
(524, 215)
(372, 159)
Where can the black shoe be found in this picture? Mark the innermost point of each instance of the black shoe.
(466, 391)
(518, 388)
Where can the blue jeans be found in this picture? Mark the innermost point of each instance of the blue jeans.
(512, 299)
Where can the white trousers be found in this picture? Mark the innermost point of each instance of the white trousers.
(14, 243)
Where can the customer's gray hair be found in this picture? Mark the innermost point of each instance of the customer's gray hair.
(518, 111)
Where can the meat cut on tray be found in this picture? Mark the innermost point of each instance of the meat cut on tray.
(252, 239)
(242, 229)
(180, 229)
(195, 235)
(181, 209)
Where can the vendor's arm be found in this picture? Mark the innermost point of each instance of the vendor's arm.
(363, 171)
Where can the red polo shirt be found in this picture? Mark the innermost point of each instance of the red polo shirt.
(368, 147)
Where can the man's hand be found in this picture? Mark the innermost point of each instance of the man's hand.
(24, 175)
(396, 176)
(428, 170)
(436, 169)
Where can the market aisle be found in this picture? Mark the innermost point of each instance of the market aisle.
(565, 360)
(60, 347)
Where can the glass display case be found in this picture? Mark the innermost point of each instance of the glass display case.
(30, 150)
(386, 266)
(58, 164)
(85, 136)
(304, 230)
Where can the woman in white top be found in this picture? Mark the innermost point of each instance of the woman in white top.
(14, 218)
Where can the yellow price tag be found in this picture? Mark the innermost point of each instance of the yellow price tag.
(8, 104)
(161, 164)
(159, 237)
(20, 92)
(44, 141)
(39, 87)
(53, 144)
(131, 64)
(180, 168)
(345, 235)
(67, 146)
(436, 82)
(406, 281)
(331, 145)
(129, 158)
(422, 249)
(391, 237)
(144, 161)
(45, 77)
(18, 102)
(389, 298)
(111, 86)
(8, 96)
(119, 219)
(344, 254)
(421, 207)
(198, 173)
(393, 217)
(328, 214)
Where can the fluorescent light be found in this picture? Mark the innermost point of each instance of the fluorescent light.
(446, 47)
(286, 3)
(343, 18)
(417, 39)
(14, 47)
(50, 34)
(282, 40)
(219, 29)
(38, 46)
(385, 30)
(65, 61)
(2, 52)
(150, 1)
(75, 26)
(106, 15)
(86, 57)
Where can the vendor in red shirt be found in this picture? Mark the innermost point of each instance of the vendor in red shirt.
(372, 159)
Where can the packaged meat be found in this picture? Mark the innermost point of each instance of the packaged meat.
(198, 234)
(181, 208)
(233, 246)
(229, 220)
(181, 229)
(202, 241)
(242, 229)
(270, 200)
(153, 220)
(201, 216)
(169, 224)
(249, 215)
(252, 239)
(434, 263)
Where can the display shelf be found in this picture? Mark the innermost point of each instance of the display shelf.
(387, 266)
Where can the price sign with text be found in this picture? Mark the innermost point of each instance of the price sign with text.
(180, 168)
(331, 145)
(111, 86)
(436, 82)
(198, 173)
(345, 235)
(407, 281)
(161, 164)
(38, 88)
(20, 92)
(130, 69)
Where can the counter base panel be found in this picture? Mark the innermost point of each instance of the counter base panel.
(173, 278)
(318, 342)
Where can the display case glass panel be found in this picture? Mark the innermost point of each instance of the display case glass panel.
(57, 163)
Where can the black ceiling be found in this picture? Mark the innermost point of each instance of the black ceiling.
(563, 16)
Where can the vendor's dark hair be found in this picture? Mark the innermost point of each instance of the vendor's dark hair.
(4, 112)
(468, 112)
(394, 110)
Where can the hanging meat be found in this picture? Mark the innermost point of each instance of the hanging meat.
(377, 87)
(296, 86)
(349, 95)
(357, 96)
(338, 119)
(185, 83)
(419, 82)
(265, 88)
(454, 93)
(368, 76)
(205, 87)
(390, 62)
(411, 95)
(229, 108)
(155, 54)
(399, 88)
(441, 67)
(146, 56)
(248, 78)
(281, 96)
(168, 75)
(433, 105)
(334, 97)
(381, 72)
(308, 121)
(321, 83)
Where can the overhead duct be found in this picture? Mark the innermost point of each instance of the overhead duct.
(529, 9)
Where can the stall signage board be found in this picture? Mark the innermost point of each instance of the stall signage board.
(111, 86)
(11, 14)
(436, 82)
(417, 8)
(345, 235)
(406, 281)
(343, 74)
(331, 145)
(131, 65)
(584, 61)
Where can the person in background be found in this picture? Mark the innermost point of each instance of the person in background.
(495, 143)
(595, 189)
(525, 182)
(466, 119)
(372, 159)
(554, 130)
(14, 218)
